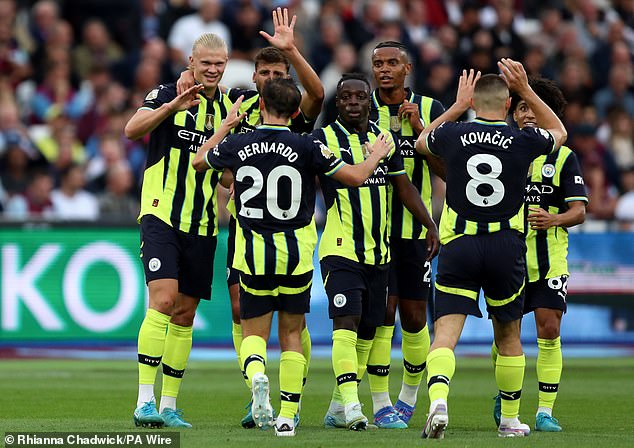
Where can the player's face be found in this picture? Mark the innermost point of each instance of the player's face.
(264, 72)
(524, 116)
(390, 67)
(353, 102)
(209, 66)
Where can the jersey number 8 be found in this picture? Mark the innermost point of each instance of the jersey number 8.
(272, 184)
(490, 179)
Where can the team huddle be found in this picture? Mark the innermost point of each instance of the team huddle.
(501, 231)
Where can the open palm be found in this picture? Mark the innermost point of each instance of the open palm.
(283, 37)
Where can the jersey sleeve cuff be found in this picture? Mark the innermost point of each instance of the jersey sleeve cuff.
(209, 163)
(576, 198)
(396, 173)
(427, 147)
(336, 168)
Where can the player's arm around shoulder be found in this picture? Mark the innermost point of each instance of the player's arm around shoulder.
(355, 175)
(157, 107)
(203, 159)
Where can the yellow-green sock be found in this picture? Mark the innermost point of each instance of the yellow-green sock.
(379, 367)
(509, 374)
(253, 352)
(344, 364)
(494, 353)
(549, 367)
(151, 345)
(415, 348)
(363, 352)
(441, 365)
(178, 345)
(236, 334)
(307, 348)
(292, 365)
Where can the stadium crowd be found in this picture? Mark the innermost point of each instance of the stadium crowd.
(72, 73)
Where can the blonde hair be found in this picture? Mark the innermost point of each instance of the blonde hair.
(211, 41)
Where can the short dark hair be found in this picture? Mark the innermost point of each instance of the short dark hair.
(281, 97)
(356, 76)
(393, 44)
(271, 55)
(548, 91)
(489, 91)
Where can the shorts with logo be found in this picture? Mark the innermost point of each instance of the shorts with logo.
(233, 275)
(261, 294)
(410, 272)
(355, 289)
(546, 293)
(492, 262)
(167, 252)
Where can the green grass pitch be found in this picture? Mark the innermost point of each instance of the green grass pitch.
(594, 407)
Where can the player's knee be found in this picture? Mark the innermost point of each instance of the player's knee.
(413, 323)
(549, 329)
(183, 316)
(163, 302)
(346, 323)
(390, 312)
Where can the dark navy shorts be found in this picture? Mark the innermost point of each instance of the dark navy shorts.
(410, 272)
(261, 294)
(546, 293)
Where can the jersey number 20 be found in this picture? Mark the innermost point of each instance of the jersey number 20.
(272, 184)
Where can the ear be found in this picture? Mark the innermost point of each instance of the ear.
(261, 102)
(191, 62)
(408, 68)
(508, 104)
(296, 113)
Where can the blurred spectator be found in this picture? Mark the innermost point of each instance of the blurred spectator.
(44, 16)
(187, 29)
(14, 174)
(56, 95)
(624, 210)
(245, 31)
(110, 153)
(611, 51)
(61, 148)
(151, 11)
(12, 131)
(345, 61)
(599, 171)
(620, 137)
(331, 32)
(70, 200)
(116, 203)
(507, 43)
(36, 202)
(415, 22)
(441, 82)
(155, 50)
(96, 49)
(60, 41)
(616, 92)
(14, 62)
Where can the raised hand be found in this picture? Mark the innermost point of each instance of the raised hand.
(234, 117)
(514, 74)
(187, 99)
(283, 37)
(466, 85)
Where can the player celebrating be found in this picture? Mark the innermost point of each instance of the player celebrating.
(274, 188)
(556, 198)
(354, 247)
(178, 224)
(270, 63)
(404, 113)
(482, 230)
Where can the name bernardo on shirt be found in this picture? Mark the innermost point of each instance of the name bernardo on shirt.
(257, 148)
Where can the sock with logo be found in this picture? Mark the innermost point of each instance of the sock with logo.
(549, 367)
(344, 364)
(151, 344)
(379, 367)
(509, 375)
(253, 352)
(415, 347)
(178, 345)
(441, 365)
(292, 365)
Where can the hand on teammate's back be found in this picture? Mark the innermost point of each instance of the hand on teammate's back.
(433, 242)
(185, 81)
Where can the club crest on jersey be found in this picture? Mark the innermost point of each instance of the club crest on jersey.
(152, 95)
(327, 153)
(548, 170)
(395, 124)
(209, 122)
